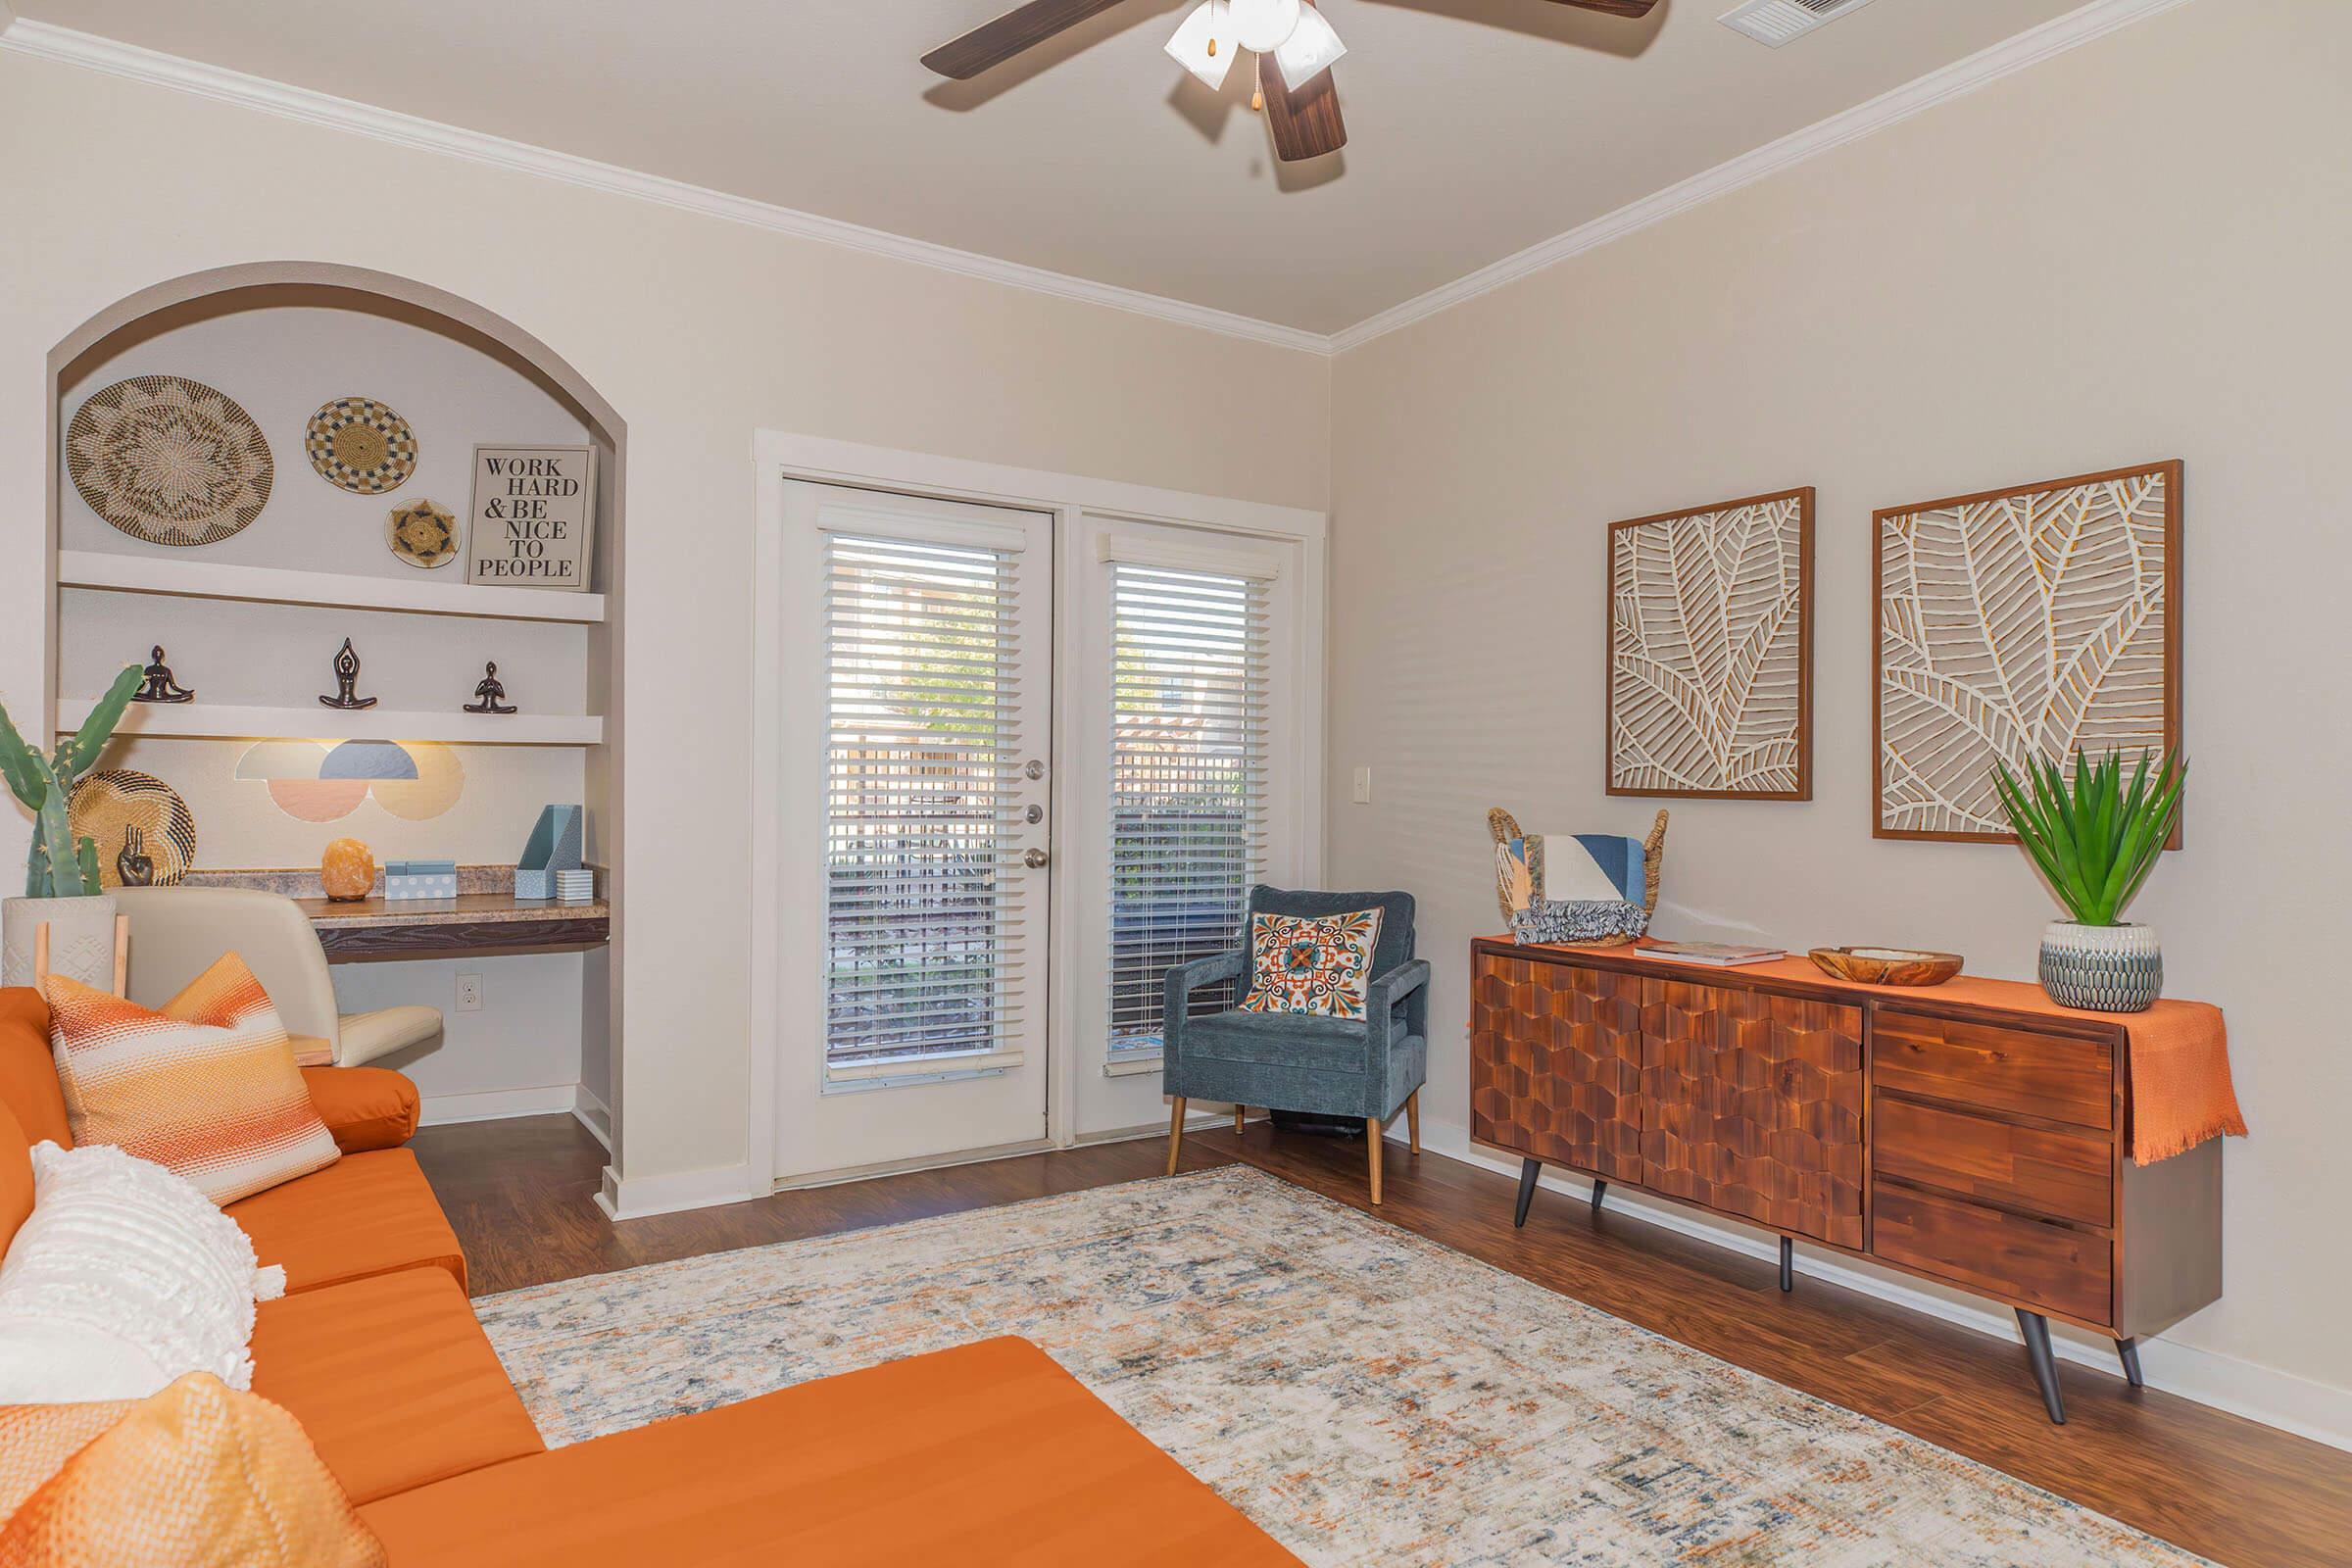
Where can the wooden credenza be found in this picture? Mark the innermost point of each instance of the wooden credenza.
(1981, 1148)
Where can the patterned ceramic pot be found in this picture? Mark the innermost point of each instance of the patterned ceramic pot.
(2103, 968)
(81, 939)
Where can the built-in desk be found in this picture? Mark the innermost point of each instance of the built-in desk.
(485, 920)
(471, 925)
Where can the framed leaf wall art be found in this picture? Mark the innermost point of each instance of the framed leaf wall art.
(1710, 671)
(2020, 623)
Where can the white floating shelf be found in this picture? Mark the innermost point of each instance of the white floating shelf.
(419, 595)
(202, 720)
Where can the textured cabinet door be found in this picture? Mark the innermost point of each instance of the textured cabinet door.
(1752, 1104)
(1555, 1064)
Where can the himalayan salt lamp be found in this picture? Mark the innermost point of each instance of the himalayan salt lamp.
(348, 870)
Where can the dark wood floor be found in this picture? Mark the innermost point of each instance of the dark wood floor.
(518, 1193)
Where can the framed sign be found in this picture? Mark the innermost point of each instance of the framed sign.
(1710, 671)
(534, 511)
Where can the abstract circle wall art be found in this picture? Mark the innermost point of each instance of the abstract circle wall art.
(170, 460)
(361, 445)
(311, 782)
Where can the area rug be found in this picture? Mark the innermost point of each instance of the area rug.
(1364, 1395)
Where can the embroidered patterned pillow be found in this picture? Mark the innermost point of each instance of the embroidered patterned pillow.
(206, 1086)
(1318, 966)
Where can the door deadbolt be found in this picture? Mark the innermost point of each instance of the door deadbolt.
(1035, 770)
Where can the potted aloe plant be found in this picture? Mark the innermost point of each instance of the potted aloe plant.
(62, 886)
(2095, 839)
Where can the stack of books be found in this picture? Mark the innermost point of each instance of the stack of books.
(575, 887)
(1719, 955)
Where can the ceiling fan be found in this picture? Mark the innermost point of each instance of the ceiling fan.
(1295, 45)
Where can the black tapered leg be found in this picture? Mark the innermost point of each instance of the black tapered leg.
(1788, 1263)
(2037, 1330)
(2128, 1350)
(1529, 1170)
(1599, 1190)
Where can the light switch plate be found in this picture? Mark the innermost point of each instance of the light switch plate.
(1363, 786)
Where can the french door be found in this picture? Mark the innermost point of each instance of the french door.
(917, 747)
(1015, 761)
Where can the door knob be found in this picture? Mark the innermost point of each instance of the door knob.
(1036, 859)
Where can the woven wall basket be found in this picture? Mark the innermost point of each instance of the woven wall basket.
(361, 445)
(169, 461)
(114, 802)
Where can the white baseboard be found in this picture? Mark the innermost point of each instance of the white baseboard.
(589, 1109)
(641, 1196)
(2262, 1393)
(497, 1105)
(1194, 1121)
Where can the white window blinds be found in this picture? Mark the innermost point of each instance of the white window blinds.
(924, 733)
(1188, 772)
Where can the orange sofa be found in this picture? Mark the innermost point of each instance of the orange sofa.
(985, 1454)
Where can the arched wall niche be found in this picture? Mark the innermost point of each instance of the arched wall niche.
(315, 285)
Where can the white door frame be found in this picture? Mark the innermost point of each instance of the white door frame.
(778, 457)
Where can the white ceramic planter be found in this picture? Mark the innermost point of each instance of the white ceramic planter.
(2103, 968)
(81, 939)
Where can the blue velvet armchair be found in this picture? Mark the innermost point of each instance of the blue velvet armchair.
(1369, 1067)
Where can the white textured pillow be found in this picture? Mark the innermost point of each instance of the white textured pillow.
(124, 1278)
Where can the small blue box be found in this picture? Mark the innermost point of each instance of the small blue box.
(420, 879)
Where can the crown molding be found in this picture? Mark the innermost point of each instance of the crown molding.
(46, 41)
(1891, 108)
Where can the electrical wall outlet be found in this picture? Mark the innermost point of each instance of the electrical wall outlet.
(1363, 786)
(470, 993)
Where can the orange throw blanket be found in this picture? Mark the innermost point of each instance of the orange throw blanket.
(2179, 1051)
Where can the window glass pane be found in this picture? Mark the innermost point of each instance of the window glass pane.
(1188, 781)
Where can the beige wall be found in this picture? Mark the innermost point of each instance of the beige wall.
(699, 332)
(2136, 251)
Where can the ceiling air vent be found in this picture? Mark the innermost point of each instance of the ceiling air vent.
(1779, 22)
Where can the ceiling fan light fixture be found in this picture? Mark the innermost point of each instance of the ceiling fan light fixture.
(1262, 25)
(1310, 51)
(1205, 43)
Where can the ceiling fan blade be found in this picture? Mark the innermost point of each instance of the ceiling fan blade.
(1615, 8)
(1020, 29)
(1305, 123)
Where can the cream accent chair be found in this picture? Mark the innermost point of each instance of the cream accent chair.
(178, 933)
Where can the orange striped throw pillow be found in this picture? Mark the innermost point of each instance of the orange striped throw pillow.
(206, 1087)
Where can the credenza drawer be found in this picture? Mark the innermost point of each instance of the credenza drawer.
(2065, 1175)
(2058, 1077)
(2046, 1265)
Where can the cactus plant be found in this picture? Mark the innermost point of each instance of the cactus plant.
(61, 866)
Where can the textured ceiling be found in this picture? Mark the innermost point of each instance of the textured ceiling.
(1476, 128)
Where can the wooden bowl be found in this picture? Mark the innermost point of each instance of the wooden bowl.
(1887, 967)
